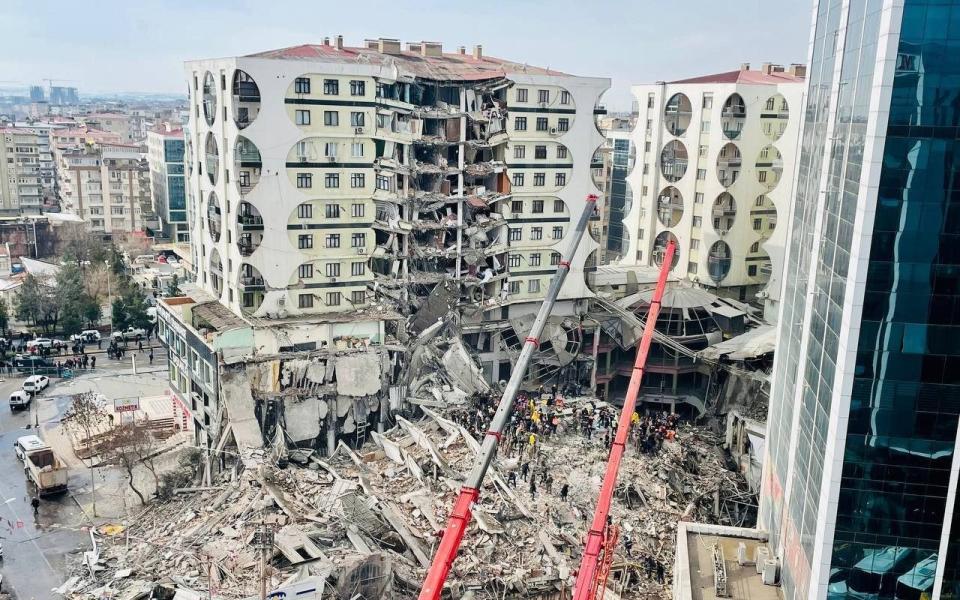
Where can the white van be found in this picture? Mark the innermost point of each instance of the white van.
(36, 384)
(19, 399)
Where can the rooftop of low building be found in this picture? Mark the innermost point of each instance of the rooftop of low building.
(767, 74)
(711, 564)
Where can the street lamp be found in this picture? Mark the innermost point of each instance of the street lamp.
(109, 297)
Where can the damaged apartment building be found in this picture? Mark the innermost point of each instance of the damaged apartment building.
(342, 201)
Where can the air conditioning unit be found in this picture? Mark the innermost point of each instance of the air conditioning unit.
(770, 573)
(553, 131)
(361, 250)
(281, 301)
(333, 279)
(544, 104)
(301, 158)
(358, 130)
(761, 554)
(330, 158)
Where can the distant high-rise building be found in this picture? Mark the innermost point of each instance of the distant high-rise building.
(165, 155)
(715, 161)
(860, 486)
(63, 96)
(36, 93)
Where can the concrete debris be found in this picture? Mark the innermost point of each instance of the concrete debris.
(366, 521)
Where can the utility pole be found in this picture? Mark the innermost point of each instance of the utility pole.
(263, 541)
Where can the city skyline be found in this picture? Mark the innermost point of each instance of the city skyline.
(136, 51)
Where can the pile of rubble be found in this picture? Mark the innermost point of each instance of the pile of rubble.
(366, 522)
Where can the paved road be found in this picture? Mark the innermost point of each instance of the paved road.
(36, 549)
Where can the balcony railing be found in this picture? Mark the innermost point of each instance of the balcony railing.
(252, 283)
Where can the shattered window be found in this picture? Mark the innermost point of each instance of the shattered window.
(541, 123)
(521, 94)
(305, 301)
(333, 298)
(543, 96)
(519, 151)
(333, 269)
(358, 88)
(539, 178)
(301, 85)
(563, 124)
(520, 124)
(540, 152)
(331, 87)
(305, 271)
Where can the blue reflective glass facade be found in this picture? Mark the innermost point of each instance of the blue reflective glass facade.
(175, 205)
(619, 196)
(873, 264)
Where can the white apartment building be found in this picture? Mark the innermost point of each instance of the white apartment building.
(107, 185)
(319, 173)
(21, 182)
(48, 175)
(715, 161)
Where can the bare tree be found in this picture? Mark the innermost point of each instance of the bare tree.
(131, 445)
(85, 416)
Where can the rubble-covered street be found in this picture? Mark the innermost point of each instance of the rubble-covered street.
(365, 522)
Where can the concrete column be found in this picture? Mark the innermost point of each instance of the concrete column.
(331, 432)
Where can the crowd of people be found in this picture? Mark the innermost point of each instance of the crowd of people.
(537, 416)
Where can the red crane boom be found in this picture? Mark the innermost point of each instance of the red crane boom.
(462, 509)
(587, 576)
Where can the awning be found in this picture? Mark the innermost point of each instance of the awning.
(756, 342)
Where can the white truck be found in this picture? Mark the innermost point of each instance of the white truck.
(43, 467)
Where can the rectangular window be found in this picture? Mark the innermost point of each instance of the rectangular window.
(331, 118)
(708, 101)
(536, 233)
(516, 234)
(541, 123)
(539, 179)
(521, 94)
(537, 206)
(646, 146)
(383, 182)
(752, 270)
(356, 119)
(563, 124)
(564, 97)
(305, 271)
(761, 176)
(533, 286)
(356, 149)
(520, 123)
(759, 201)
(305, 241)
(543, 96)
(701, 174)
(330, 149)
(358, 297)
(704, 126)
(558, 233)
(698, 198)
(513, 287)
(358, 180)
(358, 88)
(560, 179)
(561, 151)
(301, 85)
(540, 152)
(703, 151)
(650, 98)
(305, 211)
(692, 267)
(513, 260)
(697, 221)
(534, 260)
(757, 225)
(331, 87)
(333, 269)
(333, 298)
(518, 179)
(331, 180)
(304, 180)
(332, 240)
(358, 240)
(305, 301)
(694, 244)
(554, 258)
(519, 151)
(755, 247)
(358, 268)
(357, 210)
(516, 206)
(332, 211)
(303, 117)
(558, 206)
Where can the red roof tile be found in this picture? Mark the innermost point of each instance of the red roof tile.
(738, 76)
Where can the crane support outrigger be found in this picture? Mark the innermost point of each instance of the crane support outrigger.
(462, 509)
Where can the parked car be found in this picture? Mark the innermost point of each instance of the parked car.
(172, 260)
(19, 399)
(43, 342)
(86, 336)
(36, 384)
(130, 333)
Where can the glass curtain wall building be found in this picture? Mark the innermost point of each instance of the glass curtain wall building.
(859, 492)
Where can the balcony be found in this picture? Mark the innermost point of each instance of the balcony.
(252, 283)
(250, 222)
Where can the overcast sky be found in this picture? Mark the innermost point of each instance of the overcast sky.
(140, 45)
